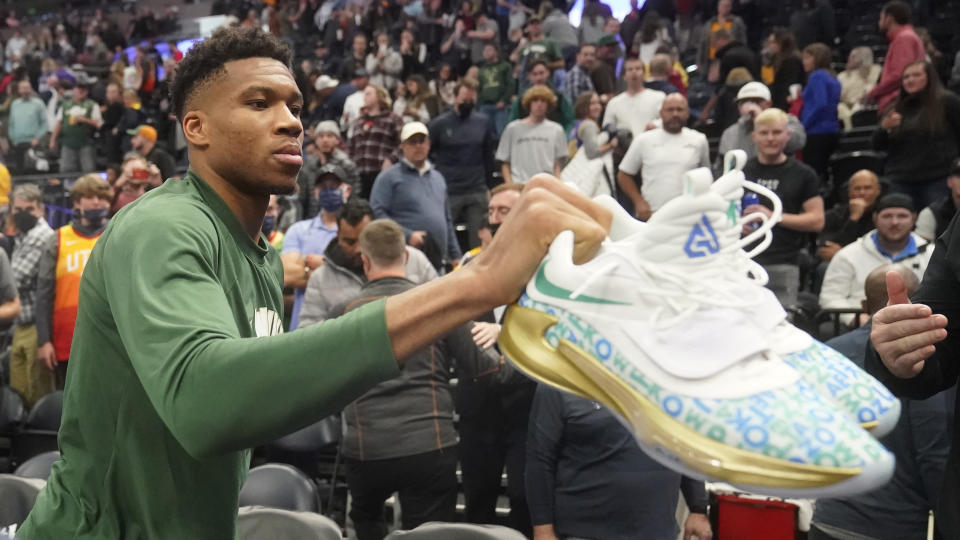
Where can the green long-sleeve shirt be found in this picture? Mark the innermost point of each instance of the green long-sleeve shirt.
(177, 369)
(496, 83)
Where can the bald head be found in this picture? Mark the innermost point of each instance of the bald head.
(674, 112)
(875, 286)
(865, 185)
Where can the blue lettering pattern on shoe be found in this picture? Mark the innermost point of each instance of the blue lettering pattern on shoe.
(864, 397)
(702, 240)
(795, 423)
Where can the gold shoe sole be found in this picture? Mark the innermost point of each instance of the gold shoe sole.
(570, 368)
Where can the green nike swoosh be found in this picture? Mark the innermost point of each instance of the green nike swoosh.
(547, 287)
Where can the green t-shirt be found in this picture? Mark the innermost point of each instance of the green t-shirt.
(173, 378)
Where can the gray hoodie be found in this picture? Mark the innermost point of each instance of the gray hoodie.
(333, 285)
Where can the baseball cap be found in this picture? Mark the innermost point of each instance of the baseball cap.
(894, 200)
(754, 90)
(327, 126)
(606, 39)
(360, 73)
(333, 169)
(145, 131)
(413, 128)
(324, 82)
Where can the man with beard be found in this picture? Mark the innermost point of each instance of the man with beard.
(144, 142)
(340, 277)
(179, 368)
(891, 242)
(662, 155)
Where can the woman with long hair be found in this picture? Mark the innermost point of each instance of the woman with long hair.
(591, 166)
(444, 84)
(652, 35)
(819, 113)
(586, 131)
(786, 66)
(921, 135)
(421, 104)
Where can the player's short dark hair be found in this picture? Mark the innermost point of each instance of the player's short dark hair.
(354, 210)
(900, 11)
(205, 62)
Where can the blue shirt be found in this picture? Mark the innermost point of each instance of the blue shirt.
(908, 251)
(417, 202)
(820, 99)
(307, 237)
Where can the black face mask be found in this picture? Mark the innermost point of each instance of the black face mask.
(464, 109)
(96, 218)
(269, 224)
(24, 221)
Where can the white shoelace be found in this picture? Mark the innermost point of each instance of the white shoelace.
(685, 290)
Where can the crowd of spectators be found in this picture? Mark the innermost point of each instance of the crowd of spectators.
(416, 110)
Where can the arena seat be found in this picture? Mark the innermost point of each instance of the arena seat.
(278, 485)
(456, 531)
(256, 523)
(864, 118)
(315, 437)
(38, 466)
(12, 415)
(18, 495)
(39, 432)
(46, 412)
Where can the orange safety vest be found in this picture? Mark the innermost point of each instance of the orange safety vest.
(73, 252)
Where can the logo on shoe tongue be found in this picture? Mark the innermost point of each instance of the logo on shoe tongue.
(702, 240)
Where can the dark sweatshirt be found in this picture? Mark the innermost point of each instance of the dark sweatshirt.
(587, 476)
(462, 150)
(914, 152)
(412, 413)
(940, 289)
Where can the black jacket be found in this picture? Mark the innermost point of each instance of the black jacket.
(940, 290)
(914, 153)
(462, 150)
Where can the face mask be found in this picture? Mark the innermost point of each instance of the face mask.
(24, 221)
(96, 218)
(465, 109)
(330, 199)
(269, 224)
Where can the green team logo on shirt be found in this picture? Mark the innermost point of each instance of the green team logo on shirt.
(267, 323)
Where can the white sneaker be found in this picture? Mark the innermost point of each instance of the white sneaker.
(655, 328)
(863, 397)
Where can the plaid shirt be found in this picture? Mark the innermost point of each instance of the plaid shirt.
(27, 250)
(375, 138)
(576, 83)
